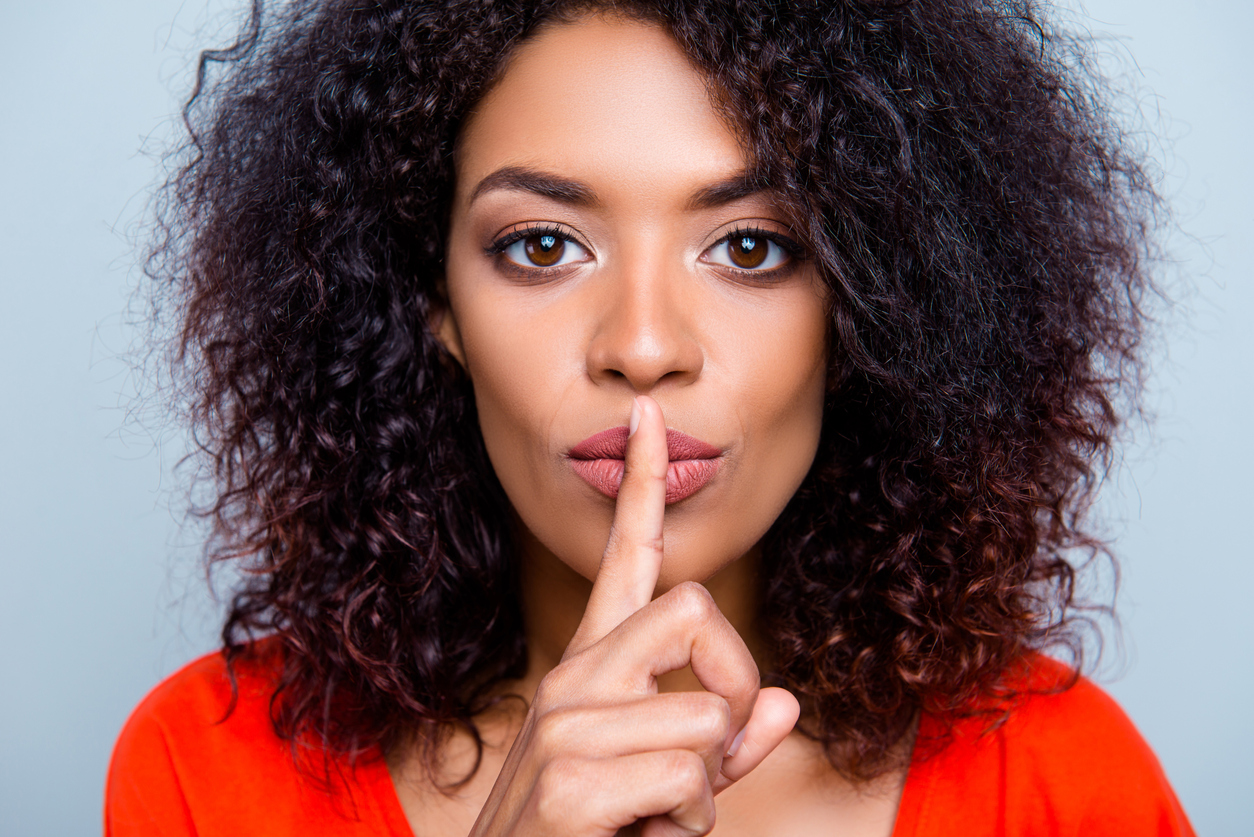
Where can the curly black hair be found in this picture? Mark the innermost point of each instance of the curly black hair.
(987, 236)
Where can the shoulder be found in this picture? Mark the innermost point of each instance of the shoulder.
(1060, 713)
(1066, 759)
(193, 737)
(199, 757)
(197, 712)
(199, 700)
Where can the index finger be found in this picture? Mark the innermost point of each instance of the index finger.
(633, 557)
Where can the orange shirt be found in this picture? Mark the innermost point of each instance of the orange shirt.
(1064, 764)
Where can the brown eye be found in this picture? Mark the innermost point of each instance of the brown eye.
(541, 248)
(748, 251)
(544, 250)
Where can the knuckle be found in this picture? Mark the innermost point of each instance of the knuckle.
(711, 715)
(555, 687)
(550, 731)
(687, 770)
(557, 784)
(693, 602)
(544, 692)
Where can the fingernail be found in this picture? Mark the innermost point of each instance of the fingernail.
(635, 418)
(736, 742)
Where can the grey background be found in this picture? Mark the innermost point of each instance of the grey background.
(101, 593)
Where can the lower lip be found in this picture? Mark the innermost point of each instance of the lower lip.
(684, 477)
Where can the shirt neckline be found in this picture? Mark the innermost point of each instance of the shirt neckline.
(911, 808)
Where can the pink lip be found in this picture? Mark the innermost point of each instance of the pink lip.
(598, 460)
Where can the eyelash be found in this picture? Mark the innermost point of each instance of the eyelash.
(497, 249)
(514, 236)
(795, 251)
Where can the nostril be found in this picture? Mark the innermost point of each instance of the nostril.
(644, 338)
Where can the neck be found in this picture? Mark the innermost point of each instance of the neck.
(554, 598)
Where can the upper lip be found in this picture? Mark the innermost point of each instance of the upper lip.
(612, 444)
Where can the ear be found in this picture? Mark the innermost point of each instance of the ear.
(443, 325)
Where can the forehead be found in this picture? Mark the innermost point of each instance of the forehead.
(604, 100)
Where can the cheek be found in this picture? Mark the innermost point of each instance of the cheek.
(783, 434)
(524, 364)
(777, 359)
(769, 374)
(780, 403)
(793, 389)
(525, 380)
(512, 370)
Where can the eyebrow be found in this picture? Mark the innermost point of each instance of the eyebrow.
(520, 178)
(565, 190)
(734, 188)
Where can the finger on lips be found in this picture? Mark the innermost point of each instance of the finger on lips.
(632, 560)
(665, 755)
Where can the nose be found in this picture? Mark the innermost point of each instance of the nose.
(646, 334)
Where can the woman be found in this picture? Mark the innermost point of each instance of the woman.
(569, 371)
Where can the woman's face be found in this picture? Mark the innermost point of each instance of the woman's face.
(604, 244)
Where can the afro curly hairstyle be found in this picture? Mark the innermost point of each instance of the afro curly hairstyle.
(985, 231)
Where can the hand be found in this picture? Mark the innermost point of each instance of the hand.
(600, 749)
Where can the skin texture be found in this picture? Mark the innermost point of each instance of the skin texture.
(736, 361)
(642, 694)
